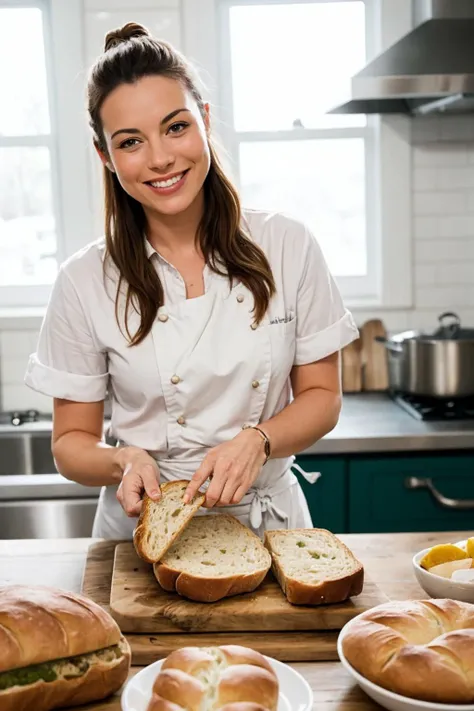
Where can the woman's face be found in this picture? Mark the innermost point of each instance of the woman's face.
(157, 143)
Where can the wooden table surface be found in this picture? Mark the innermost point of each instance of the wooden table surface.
(386, 557)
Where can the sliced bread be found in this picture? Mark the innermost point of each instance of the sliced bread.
(162, 521)
(214, 557)
(313, 566)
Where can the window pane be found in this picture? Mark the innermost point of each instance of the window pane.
(23, 89)
(27, 226)
(293, 62)
(320, 182)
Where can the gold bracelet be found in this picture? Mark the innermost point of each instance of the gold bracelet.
(266, 441)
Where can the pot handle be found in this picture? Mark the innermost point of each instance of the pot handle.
(390, 345)
(414, 482)
(449, 328)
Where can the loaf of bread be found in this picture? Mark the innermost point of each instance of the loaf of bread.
(423, 649)
(313, 566)
(227, 678)
(214, 557)
(161, 521)
(57, 649)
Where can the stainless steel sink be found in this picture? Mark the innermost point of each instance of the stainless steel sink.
(26, 453)
(36, 501)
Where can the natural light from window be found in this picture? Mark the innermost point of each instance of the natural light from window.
(27, 224)
(290, 64)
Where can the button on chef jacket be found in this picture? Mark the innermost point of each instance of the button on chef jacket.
(205, 370)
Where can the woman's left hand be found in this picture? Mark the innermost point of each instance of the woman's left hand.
(232, 468)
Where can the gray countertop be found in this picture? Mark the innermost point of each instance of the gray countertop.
(372, 422)
(369, 422)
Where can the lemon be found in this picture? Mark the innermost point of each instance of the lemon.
(443, 553)
(470, 547)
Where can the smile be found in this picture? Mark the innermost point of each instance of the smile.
(170, 185)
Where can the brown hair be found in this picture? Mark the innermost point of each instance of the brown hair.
(131, 53)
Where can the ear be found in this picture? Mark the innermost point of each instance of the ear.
(107, 163)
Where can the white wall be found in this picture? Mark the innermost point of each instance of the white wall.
(443, 222)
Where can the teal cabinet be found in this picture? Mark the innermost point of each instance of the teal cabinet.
(381, 500)
(327, 497)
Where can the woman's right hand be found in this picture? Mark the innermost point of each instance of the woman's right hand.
(140, 474)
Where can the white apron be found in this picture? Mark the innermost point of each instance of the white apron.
(218, 372)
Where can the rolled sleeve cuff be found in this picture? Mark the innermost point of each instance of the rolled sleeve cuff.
(67, 386)
(319, 345)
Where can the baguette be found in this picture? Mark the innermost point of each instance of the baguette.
(423, 649)
(226, 678)
(216, 556)
(161, 522)
(313, 567)
(57, 649)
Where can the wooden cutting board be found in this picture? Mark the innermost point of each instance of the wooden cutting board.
(140, 605)
(374, 356)
(290, 647)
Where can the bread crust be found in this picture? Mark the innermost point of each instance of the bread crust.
(100, 680)
(322, 593)
(41, 624)
(141, 530)
(208, 589)
(239, 679)
(423, 649)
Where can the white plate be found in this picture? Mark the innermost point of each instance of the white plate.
(295, 692)
(387, 699)
(436, 586)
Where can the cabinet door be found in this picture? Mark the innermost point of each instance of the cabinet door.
(327, 496)
(393, 493)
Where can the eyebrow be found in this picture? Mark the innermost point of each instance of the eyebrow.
(162, 122)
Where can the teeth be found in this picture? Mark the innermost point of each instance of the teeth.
(167, 183)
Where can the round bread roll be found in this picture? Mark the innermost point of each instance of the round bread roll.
(423, 649)
(226, 678)
(57, 649)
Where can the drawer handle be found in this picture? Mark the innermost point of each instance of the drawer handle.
(414, 482)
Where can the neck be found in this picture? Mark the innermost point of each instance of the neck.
(173, 233)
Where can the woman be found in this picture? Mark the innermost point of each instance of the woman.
(199, 321)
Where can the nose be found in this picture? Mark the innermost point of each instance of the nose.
(160, 156)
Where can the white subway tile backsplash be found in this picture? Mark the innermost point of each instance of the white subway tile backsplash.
(19, 397)
(446, 297)
(462, 273)
(453, 178)
(455, 226)
(441, 251)
(425, 227)
(14, 343)
(440, 203)
(13, 369)
(425, 179)
(434, 155)
(425, 274)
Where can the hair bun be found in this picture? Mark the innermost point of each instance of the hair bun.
(124, 33)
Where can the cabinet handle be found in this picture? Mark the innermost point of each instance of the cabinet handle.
(414, 482)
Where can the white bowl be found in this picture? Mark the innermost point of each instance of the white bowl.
(436, 586)
(388, 699)
(295, 692)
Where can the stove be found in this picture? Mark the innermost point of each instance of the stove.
(432, 408)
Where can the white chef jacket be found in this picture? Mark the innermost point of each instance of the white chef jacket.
(204, 370)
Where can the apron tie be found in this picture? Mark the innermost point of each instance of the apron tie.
(262, 503)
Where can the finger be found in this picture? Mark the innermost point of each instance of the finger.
(239, 494)
(214, 491)
(198, 479)
(150, 478)
(231, 485)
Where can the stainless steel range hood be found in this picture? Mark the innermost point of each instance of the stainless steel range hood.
(429, 70)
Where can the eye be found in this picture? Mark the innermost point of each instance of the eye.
(129, 143)
(178, 127)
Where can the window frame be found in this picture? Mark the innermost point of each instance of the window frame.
(388, 282)
(63, 38)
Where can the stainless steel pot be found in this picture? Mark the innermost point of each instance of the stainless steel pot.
(436, 365)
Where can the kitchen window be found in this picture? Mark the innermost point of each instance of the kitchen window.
(284, 64)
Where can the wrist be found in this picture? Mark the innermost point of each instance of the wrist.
(121, 458)
(265, 443)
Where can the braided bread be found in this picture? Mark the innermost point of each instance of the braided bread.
(227, 678)
(423, 649)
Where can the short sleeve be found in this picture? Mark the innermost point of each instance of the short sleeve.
(323, 324)
(67, 363)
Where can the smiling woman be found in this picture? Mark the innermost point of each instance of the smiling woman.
(215, 330)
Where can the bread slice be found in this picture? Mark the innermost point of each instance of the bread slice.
(216, 556)
(162, 521)
(313, 566)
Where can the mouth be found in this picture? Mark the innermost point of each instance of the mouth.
(168, 185)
